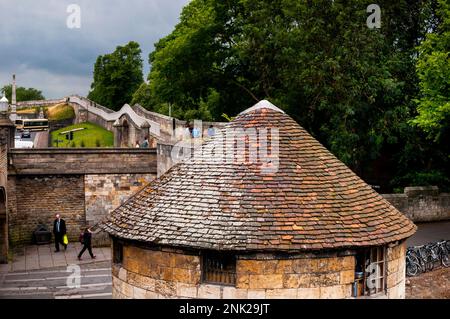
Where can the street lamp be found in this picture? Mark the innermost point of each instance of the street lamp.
(4, 104)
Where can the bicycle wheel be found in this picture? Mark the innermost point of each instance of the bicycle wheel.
(429, 264)
(445, 261)
(412, 267)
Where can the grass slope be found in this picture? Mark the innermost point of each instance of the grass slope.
(60, 112)
(92, 136)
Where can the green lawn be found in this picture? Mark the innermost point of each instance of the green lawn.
(92, 136)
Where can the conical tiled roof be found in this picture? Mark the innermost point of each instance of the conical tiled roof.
(304, 199)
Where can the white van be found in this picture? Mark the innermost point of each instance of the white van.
(18, 143)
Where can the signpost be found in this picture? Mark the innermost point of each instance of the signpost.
(69, 135)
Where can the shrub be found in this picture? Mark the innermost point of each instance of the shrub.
(97, 143)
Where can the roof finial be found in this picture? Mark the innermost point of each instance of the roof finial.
(264, 104)
(4, 99)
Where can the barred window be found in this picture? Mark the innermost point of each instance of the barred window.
(219, 268)
(372, 264)
(117, 251)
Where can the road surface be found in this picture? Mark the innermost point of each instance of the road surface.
(430, 232)
(53, 283)
(40, 138)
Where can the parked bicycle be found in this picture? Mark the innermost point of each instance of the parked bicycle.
(439, 253)
(423, 258)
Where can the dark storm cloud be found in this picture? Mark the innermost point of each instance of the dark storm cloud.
(37, 45)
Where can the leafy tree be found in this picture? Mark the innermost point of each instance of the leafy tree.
(433, 68)
(23, 94)
(117, 76)
(352, 87)
(142, 96)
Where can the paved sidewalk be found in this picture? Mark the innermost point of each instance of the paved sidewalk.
(44, 256)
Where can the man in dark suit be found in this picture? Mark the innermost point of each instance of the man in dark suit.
(59, 230)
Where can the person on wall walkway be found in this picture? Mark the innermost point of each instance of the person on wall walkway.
(86, 240)
(59, 230)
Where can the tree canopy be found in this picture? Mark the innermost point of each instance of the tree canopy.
(373, 96)
(433, 69)
(352, 87)
(22, 93)
(117, 76)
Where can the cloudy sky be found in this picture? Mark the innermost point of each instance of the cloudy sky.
(37, 45)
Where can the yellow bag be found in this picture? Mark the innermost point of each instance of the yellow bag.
(65, 240)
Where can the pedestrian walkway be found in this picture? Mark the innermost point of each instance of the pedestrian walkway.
(88, 281)
(44, 256)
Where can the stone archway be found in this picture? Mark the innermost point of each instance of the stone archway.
(125, 134)
(3, 228)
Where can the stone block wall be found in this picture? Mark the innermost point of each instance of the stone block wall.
(36, 199)
(29, 104)
(165, 158)
(105, 192)
(3, 165)
(422, 204)
(83, 161)
(3, 200)
(82, 200)
(303, 278)
(396, 269)
(83, 185)
(170, 273)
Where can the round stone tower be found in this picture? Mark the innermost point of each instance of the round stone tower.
(262, 210)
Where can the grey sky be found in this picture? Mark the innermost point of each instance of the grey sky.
(36, 44)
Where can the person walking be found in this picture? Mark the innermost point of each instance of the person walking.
(145, 143)
(59, 230)
(87, 243)
(211, 131)
(137, 144)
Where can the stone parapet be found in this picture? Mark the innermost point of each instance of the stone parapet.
(422, 204)
(53, 161)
